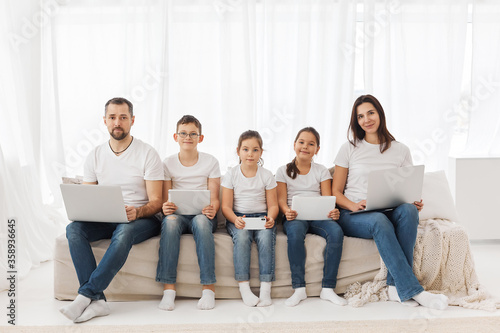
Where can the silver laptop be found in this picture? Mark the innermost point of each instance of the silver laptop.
(189, 202)
(390, 188)
(313, 208)
(94, 203)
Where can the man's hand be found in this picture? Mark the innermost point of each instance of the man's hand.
(169, 208)
(131, 213)
(209, 211)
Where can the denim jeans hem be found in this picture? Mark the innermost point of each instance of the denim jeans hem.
(208, 282)
(165, 281)
(242, 277)
(298, 285)
(412, 294)
(94, 297)
(328, 285)
(266, 278)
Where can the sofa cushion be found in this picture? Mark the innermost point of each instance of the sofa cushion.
(136, 280)
(436, 195)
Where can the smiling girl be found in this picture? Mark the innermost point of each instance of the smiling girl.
(249, 190)
(303, 177)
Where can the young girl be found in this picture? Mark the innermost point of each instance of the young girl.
(304, 177)
(373, 147)
(249, 190)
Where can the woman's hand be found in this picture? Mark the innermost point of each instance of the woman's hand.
(419, 205)
(334, 214)
(269, 222)
(209, 211)
(290, 215)
(358, 206)
(169, 208)
(239, 223)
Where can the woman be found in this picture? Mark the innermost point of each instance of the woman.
(372, 147)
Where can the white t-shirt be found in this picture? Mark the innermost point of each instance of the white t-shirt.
(304, 185)
(138, 163)
(249, 194)
(366, 157)
(194, 177)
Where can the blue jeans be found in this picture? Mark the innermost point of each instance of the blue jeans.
(94, 279)
(296, 231)
(242, 241)
(395, 234)
(172, 227)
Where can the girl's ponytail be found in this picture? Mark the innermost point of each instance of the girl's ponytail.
(291, 169)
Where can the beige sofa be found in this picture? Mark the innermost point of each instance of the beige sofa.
(136, 280)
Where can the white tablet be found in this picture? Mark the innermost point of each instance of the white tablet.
(254, 223)
(189, 202)
(313, 208)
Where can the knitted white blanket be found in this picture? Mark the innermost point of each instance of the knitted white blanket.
(442, 263)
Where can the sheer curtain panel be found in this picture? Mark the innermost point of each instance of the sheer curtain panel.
(414, 58)
(36, 224)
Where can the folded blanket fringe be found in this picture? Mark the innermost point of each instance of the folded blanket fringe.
(442, 263)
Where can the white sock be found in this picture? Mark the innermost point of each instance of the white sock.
(265, 294)
(207, 300)
(247, 295)
(298, 295)
(95, 309)
(168, 300)
(330, 295)
(75, 308)
(433, 301)
(392, 292)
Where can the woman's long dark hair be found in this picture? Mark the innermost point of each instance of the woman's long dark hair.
(384, 136)
(291, 168)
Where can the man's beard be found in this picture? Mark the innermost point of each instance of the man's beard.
(118, 137)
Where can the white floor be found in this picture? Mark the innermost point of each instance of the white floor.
(36, 305)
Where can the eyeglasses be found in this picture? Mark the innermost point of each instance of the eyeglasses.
(191, 135)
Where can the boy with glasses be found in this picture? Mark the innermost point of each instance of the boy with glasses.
(189, 170)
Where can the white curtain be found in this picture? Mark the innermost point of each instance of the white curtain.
(414, 59)
(483, 103)
(36, 225)
(274, 66)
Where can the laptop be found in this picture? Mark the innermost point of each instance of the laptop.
(189, 202)
(390, 188)
(94, 203)
(313, 208)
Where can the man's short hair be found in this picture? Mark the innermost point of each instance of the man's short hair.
(188, 119)
(120, 101)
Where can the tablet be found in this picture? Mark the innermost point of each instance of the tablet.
(313, 208)
(255, 223)
(189, 202)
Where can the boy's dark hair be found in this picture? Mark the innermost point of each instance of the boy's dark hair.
(188, 119)
(120, 101)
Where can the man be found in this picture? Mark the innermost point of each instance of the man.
(137, 168)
